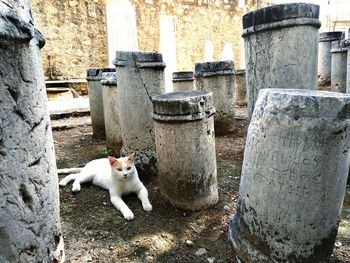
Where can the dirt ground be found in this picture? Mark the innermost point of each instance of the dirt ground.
(94, 231)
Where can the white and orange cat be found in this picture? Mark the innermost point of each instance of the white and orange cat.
(118, 176)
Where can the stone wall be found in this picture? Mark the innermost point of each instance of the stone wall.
(75, 31)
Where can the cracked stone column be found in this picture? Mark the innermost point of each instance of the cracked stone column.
(219, 78)
(183, 81)
(140, 76)
(185, 140)
(338, 69)
(94, 76)
(30, 229)
(241, 88)
(325, 57)
(274, 55)
(294, 172)
(111, 112)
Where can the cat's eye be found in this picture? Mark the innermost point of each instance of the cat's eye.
(119, 169)
(128, 168)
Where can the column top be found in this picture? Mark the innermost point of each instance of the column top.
(96, 73)
(280, 16)
(183, 106)
(280, 12)
(300, 103)
(330, 36)
(109, 79)
(339, 46)
(139, 59)
(183, 75)
(213, 68)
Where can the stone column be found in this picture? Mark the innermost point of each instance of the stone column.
(338, 69)
(347, 45)
(294, 174)
(274, 55)
(325, 57)
(140, 76)
(94, 76)
(183, 81)
(111, 112)
(241, 88)
(185, 139)
(30, 229)
(219, 78)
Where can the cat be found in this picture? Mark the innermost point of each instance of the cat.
(118, 176)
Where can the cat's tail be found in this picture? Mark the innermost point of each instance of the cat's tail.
(69, 178)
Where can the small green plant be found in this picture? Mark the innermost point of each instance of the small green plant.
(107, 152)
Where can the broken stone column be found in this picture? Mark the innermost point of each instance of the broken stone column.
(241, 88)
(111, 113)
(94, 76)
(274, 55)
(185, 140)
(140, 76)
(183, 81)
(338, 69)
(30, 229)
(295, 166)
(325, 57)
(219, 78)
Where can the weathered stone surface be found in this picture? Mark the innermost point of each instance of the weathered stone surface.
(294, 174)
(241, 88)
(325, 57)
(94, 76)
(185, 141)
(111, 112)
(183, 81)
(30, 228)
(140, 76)
(338, 66)
(274, 56)
(347, 44)
(219, 78)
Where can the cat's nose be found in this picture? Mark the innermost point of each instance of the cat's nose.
(125, 175)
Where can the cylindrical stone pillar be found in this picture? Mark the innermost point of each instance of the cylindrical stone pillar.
(274, 55)
(185, 140)
(111, 113)
(183, 81)
(339, 58)
(241, 88)
(30, 228)
(140, 76)
(347, 45)
(219, 78)
(94, 76)
(325, 57)
(294, 172)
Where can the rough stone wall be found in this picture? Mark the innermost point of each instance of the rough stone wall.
(75, 33)
(76, 37)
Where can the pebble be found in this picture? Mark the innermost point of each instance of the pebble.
(189, 242)
(226, 208)
(201, 251)
(211, 260)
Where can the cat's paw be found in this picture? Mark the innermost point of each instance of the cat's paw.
(147, 207)
(128, 215)
(76, 188)
(62, 183)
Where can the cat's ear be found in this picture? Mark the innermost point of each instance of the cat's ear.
(132, 157)
(112, 160)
